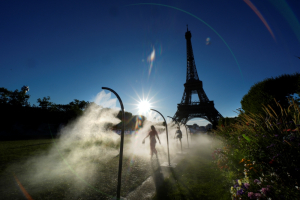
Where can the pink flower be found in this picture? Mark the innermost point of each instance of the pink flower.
(246, 185)
(250, 195)
(264, 190)
(257, 195)
(257, 181)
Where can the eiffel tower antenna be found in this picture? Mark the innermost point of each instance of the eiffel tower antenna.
(204, 108)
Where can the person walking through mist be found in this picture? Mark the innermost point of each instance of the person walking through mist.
(152, 135)
(178, 135)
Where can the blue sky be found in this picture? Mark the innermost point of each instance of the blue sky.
(70, 49)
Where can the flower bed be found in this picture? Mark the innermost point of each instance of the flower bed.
(262, 154)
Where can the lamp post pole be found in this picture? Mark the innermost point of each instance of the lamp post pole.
(166, 133)
(122, 142)
(174, 120)
(187, 135)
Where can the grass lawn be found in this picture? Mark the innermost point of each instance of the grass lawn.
(195, 177)
(46, 171)
(17, 159)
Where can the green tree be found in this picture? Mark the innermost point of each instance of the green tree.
(76, 104)
(76, 107)
(45, 102)
(227, 121)
(263, 93)
(4, 95)
(15, 98)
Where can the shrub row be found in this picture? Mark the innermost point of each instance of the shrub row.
(261, 154)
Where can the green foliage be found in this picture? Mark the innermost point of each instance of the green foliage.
(44, 103)
(14, 98)
(270, 147)
(15, 107)
(4, 95)
(227, 121)
(71, 110)
(14, 159)
(195, 177)
(79, 105)
(264, 92)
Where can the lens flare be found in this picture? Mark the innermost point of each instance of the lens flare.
(151, 59)
(28, 197)
(152, 56)
(283, 7)
(208, 41)
(156, 4)
(250, 4)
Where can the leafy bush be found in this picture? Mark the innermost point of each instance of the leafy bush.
(263, 93)
(270, 147)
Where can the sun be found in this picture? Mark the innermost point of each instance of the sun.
(144, 106)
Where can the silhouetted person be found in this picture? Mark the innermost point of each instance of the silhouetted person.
(152, 135)
(178, 135)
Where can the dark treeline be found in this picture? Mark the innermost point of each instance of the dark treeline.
(227, 121)
(20, 120)
(283, 89)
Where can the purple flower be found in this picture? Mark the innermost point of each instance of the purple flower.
(265, 190)
(292, 138)
(276, 135)
(240, 192)
(247, 185)
(251, 195)
(256, 181)
(271, 145)
(257, 195)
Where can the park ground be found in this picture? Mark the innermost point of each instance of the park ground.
(195, 176)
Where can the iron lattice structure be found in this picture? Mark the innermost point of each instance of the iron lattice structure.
(204, 108)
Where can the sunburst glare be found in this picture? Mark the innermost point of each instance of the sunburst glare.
(144, 106)
(143, 103)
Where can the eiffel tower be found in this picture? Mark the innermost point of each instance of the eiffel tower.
(204, 108)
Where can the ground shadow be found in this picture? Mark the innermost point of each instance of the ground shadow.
(158, 178)
(178, 181)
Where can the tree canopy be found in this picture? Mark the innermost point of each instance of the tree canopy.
(18, 101)
(263, 93)
(44, 103)
(14, 98)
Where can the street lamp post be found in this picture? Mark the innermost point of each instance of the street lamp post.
(167, 139)
(122, 142)
(187, 135)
